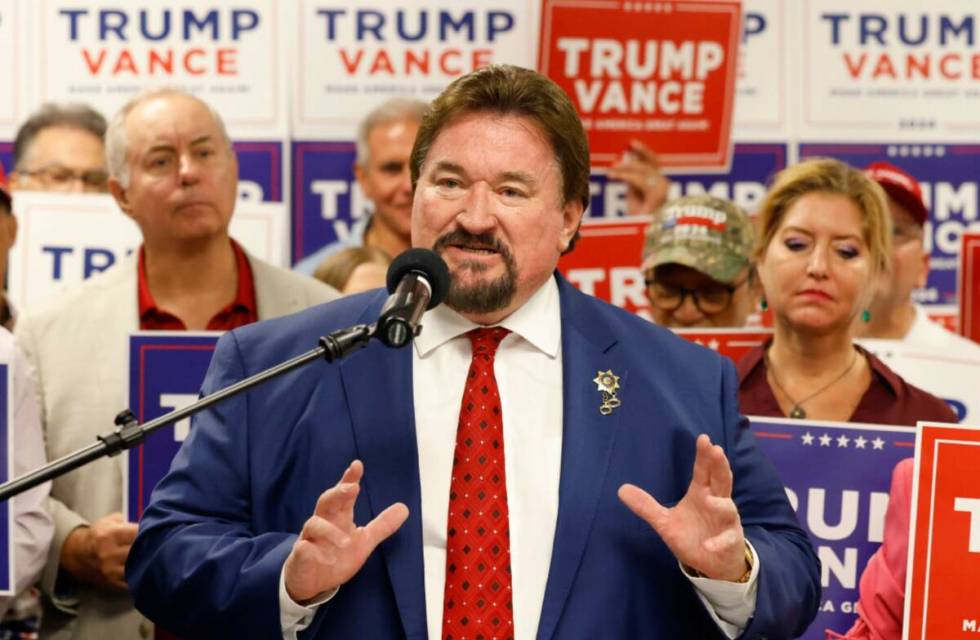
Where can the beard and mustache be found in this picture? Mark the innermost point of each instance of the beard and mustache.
(481, 297)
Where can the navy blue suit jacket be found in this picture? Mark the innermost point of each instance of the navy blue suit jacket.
(214, 538)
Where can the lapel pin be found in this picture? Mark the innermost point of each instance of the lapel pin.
(608, 384)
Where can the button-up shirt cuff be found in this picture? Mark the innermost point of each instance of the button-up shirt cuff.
(294, 617)
(730, 604)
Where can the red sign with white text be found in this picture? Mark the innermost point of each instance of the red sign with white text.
(660, 72)
(733, 343)
(944, 541)
(606, 262)
(969, 286)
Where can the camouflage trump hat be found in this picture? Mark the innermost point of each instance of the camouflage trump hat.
(707, 234)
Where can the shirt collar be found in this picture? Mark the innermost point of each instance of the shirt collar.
(244, 296)
(538, 321)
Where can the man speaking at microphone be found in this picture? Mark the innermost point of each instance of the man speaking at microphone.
(536, 464)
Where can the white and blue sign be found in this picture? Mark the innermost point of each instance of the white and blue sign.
(745, 184)
(948, 175)
(326, 198)
(259, 171)
(166, 370)
(837, 476)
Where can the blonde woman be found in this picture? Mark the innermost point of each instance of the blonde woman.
(825, 235)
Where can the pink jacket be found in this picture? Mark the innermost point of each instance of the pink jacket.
(882, 602)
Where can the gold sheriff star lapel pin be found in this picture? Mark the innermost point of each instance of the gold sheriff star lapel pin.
(608, 384)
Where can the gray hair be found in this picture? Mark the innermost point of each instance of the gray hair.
(388, 111)
(116, 145)
(73, 115)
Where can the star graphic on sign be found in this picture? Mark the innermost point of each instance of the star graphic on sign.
(878, 443)
(842, 441)
(807, 438)
(825, 440)
(860, 441)
(713, 345)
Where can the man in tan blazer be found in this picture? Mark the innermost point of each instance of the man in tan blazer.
(174, 172)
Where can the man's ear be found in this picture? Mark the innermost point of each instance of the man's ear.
(121, 196)
(571, 213)
(923, 275)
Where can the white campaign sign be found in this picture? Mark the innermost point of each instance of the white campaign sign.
(760, 106)
(351, 56)
(884, 68)
(12, 79)
(954, 377)
(64, 239)
(229, 53)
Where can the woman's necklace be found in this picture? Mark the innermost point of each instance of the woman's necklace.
(797, 412)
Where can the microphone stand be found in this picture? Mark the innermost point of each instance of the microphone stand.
(130, 433)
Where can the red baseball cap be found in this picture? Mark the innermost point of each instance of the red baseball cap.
(4, 189)
(901, 187)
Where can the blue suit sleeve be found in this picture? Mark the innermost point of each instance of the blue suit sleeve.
(196, 566)
(789, 577)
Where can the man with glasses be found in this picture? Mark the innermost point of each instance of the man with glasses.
(696, 263)
(60, 148)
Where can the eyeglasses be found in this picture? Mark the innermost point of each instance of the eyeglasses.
(906, 233)
(710, 299)
(61, 178)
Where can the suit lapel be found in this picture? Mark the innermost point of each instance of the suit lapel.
(587, 439)
(378, 386)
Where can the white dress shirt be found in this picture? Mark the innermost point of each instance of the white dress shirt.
(528, 368)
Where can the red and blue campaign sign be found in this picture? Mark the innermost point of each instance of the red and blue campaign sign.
(606, 262)
(326, 198)
(6, 460)
(259, 171)
(744, 184)
(166, 370)
(837, 477)
(663, 72)
(948, 175)
(969, 286)
(944, 540)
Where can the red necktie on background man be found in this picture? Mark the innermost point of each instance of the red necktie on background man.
(478, 597)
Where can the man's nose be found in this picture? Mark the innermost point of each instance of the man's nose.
(477, 215)
(189, 169)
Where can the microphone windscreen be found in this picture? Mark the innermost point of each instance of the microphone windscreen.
(425, 263)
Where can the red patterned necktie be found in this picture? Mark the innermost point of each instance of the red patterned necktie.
(477, 602)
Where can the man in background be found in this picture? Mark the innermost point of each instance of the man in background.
(697, 263)
(893, 314)
(173, 171)
(60, 148)
(384, 143)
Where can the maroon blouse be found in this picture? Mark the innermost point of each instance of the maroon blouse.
(888, 400)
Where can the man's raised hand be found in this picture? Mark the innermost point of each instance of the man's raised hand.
(331, 548)
(703, 530)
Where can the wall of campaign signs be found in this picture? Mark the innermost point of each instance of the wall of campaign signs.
(860, 80)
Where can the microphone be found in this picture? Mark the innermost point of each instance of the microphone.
(418, 280)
